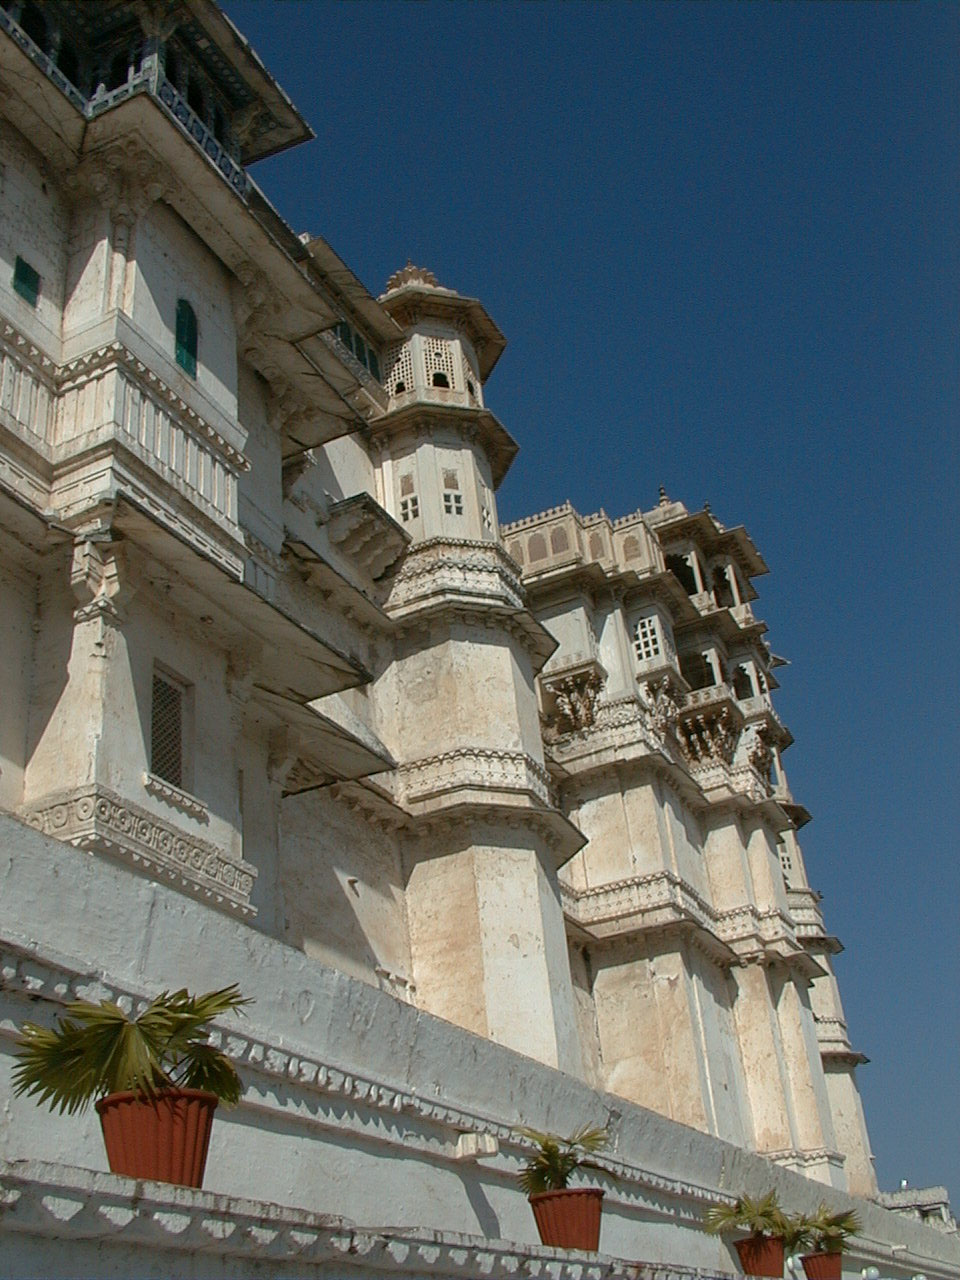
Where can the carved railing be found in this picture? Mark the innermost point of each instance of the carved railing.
(110, 392)
(27, 389)
(475, 769)
(458, 567)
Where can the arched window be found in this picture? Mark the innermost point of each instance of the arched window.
(119, 70)
(537, 547)
(68, 62)
(742, 685)
(186, 337)
(35, 25)
(440, 379)
(171, 67)
(195, 100)
(631, 548)
(559, 541)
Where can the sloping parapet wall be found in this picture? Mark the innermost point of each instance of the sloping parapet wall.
(355, 1103)
(118, 1226)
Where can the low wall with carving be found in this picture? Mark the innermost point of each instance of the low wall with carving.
(355, 1103)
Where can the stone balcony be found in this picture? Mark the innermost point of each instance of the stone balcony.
(106, 420)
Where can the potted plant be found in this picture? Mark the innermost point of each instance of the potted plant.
(828, 1234)
(761, 1253)
(566, 1217)
(156, 1078)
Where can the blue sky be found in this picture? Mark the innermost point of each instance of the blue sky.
(721, 240)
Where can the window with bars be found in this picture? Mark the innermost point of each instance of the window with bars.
(398, 369)
(167, 723)
(646, 638)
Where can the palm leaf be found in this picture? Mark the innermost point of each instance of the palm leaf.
(759, 1217)
(98, 1049)
(205, 1067)
(556, 1159)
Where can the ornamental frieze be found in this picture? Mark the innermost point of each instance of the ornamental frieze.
(99, 821)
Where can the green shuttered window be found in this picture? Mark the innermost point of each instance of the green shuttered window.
(186, 337)
(26, 281)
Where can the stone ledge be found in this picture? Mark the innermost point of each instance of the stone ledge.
(70, 1204)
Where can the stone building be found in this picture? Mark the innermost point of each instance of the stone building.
(492, 821)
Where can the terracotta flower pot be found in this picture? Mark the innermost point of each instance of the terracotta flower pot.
(823, 1266)
(165, 1138)
(761, 1255)
(569, 1219)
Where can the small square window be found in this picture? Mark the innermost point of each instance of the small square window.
(409, 509)
(26, 281)
(453, 503)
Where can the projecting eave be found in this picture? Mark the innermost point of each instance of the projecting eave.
(708, 533)
(345, 747)
(292, 660)
(412, 303)
(352, 291)
(495, 440)
(280, 123)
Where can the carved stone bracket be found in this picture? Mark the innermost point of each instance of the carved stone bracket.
(571, 698)
(709, 737)
(663, 703)
(99, 581)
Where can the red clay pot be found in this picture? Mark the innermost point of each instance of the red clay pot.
(823, 1266)
(569, 1219)
(761, 1255)
(164, 1138)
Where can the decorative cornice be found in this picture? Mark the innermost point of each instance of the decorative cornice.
(27, 353)
(474, 768)
(98, 820)
(172, 795)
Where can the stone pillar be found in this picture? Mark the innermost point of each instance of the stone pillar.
(761, 1053)
(813, 1127)
(83, 699)
(651, 1048)
(487, 937)
(849, 1123)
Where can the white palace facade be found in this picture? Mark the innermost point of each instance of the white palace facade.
(491, 820)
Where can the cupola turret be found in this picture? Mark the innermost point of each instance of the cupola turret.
(442, 453)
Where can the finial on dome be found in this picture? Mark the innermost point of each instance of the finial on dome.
(412, 275)
(664, 500)
(706, 507)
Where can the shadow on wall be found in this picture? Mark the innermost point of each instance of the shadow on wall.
(340, 887)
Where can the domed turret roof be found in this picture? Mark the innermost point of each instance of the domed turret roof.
(411, 275)
(414, 294)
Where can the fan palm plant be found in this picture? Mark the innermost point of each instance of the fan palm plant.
(566, 1217)
(830, 1232)
(762, 1217)
(556, 1159)
(97, 1049)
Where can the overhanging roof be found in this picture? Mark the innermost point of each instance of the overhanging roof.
(292, 660)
